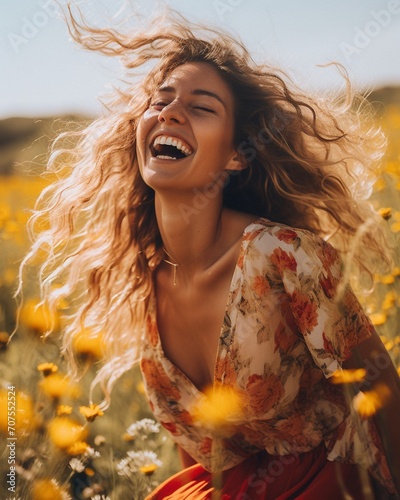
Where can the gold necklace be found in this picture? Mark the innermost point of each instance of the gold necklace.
(175, 265)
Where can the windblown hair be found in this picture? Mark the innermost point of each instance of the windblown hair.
(310, 164)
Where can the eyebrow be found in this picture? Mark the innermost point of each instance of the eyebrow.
(168, 88)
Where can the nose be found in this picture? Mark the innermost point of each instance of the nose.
(172, 113)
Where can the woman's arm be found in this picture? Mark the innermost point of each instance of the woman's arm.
(374, 358)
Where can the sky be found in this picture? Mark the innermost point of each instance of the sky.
(44, 73)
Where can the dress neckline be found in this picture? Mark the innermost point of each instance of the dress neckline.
(153, 309)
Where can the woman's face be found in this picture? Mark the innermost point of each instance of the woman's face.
(185, 137)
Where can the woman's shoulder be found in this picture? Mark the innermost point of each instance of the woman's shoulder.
(266, 240)
(266, 231)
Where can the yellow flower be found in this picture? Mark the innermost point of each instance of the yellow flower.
(39, 317)
(395, 227)
(5, 213)
(389, 300)
(78, 448)
(128, 438)
(219, 406)
(65, 432)
(9, 276)
(378, 319)
(385, 213)
(380, 184)
(4, 339)
(46, 489)
(57, 385)
(148, 470)
(64, 410)
(88, 343)
(389, 345)
(387, 279)
(22, 406)
(47, 368)
(348, 376)
(396, 271)
(11, 227)
(91, 412)
(368, 403)
(140, 387)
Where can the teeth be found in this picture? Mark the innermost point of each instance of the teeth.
(172, 141)
(163, 157)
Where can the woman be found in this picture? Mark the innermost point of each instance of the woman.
(194, 223)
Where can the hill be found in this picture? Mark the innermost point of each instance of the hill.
(24, 142)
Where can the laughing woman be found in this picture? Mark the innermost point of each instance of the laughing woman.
(194, 225)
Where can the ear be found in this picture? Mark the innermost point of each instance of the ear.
(236, 163)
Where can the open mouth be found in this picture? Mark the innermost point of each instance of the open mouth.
(166, 147)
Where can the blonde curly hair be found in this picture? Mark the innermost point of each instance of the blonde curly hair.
(310, 164)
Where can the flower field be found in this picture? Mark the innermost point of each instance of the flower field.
(54, 444)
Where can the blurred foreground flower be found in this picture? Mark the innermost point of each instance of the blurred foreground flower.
(91, 412)
(219, 406)
(65, 432)
(38, 317)
(368, 403)
(47, 489)
(25, 419)
(348, 376)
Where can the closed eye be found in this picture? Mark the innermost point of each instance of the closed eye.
(202, 108)
(159, 104)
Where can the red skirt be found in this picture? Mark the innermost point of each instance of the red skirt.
(308, 476)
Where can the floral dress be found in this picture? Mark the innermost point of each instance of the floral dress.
(283, 335)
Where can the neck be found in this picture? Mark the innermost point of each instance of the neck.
(189, 232)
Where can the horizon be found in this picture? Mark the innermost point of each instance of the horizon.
(49, 76)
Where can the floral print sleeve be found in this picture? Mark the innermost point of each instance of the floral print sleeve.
(331, 321)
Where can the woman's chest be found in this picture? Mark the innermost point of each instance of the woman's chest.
(189, 326)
